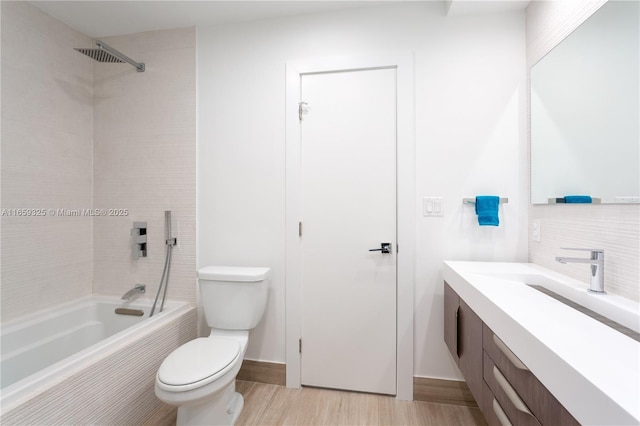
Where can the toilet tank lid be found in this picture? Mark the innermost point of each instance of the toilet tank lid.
(233, 273)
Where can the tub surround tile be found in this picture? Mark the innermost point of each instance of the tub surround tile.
(143, 116)
(144, 161)
(125, 398)
(114, 81)
(153, 41)
(46, 161)
(77, 134)
(45, 99)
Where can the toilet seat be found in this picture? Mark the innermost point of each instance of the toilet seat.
(197, 363)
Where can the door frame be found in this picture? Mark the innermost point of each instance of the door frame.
(405, 209)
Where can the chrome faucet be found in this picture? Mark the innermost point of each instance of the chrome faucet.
(138, 289)
(596, 261)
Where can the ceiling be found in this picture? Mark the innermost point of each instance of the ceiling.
(102, 18)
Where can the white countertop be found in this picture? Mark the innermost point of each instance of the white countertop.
(593, 370)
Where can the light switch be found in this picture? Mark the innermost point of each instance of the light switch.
(429, 206)
(432, 206)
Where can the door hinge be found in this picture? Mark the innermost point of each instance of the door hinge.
(303, 108)
(299, 345)
(299, 229)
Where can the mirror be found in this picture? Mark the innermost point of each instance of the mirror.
(585, 109)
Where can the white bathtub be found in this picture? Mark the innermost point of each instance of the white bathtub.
(50, 354)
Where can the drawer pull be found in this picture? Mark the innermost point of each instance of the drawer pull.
(510, 355)
(458, 331)
(510, 391)
(500, 414)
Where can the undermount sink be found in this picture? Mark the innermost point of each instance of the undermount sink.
(619, 313)
(559, 341)
(596, 316)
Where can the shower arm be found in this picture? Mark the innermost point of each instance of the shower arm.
(104, 46)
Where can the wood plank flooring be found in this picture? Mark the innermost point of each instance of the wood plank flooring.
(266, 404)
(277, 405)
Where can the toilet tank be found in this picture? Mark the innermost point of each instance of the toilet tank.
(233, 298)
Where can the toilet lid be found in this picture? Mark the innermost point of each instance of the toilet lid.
(198, 360)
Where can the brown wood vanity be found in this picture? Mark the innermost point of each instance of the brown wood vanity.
(507, 392)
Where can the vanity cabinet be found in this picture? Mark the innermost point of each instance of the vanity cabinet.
(504, 388)
(463, 336)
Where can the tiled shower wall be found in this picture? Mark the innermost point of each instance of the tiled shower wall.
(47, 136)
(144, 161)
(77, 134)
(614, 228)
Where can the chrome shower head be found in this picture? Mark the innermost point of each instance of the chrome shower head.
(100, 55)
(106, 53)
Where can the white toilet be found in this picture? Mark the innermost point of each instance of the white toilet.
(200, 376)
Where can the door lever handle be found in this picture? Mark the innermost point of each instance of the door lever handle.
(384, 248)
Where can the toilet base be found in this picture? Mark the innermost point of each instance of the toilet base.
(224, 409)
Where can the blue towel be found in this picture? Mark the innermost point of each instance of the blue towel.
(578, 199)
(487, 210)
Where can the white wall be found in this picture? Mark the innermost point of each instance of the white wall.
(470, 139)
(614, 228)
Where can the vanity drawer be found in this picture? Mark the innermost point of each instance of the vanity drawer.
(544, 406)
(492, 410)
(506, 396)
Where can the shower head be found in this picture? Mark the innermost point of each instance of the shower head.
(106, 53)
(100, 55)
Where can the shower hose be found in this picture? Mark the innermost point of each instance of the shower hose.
(164, 281)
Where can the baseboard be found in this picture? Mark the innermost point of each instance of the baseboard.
(439, 391)
(263, 372)
(442, 392)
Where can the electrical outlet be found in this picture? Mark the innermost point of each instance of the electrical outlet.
(535, 231)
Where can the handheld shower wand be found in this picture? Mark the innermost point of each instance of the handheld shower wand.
(164, 281)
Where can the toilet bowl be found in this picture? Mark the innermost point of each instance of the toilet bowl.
(199, 377)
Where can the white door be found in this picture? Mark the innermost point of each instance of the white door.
(349, 207)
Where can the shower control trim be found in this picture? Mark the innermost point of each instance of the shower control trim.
(139, 237)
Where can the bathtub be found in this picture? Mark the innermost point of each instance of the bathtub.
(81, 363)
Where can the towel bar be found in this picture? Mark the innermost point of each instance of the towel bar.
(472, 201)
(561, 201)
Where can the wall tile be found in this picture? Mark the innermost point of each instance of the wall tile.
(77, 134)
(119, 386)
(144, 161)
(46, 161)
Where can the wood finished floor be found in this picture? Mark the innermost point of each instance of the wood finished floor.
(266, 404)
(277, 405)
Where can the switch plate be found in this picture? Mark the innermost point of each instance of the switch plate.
(433, 206)
(535, 231)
